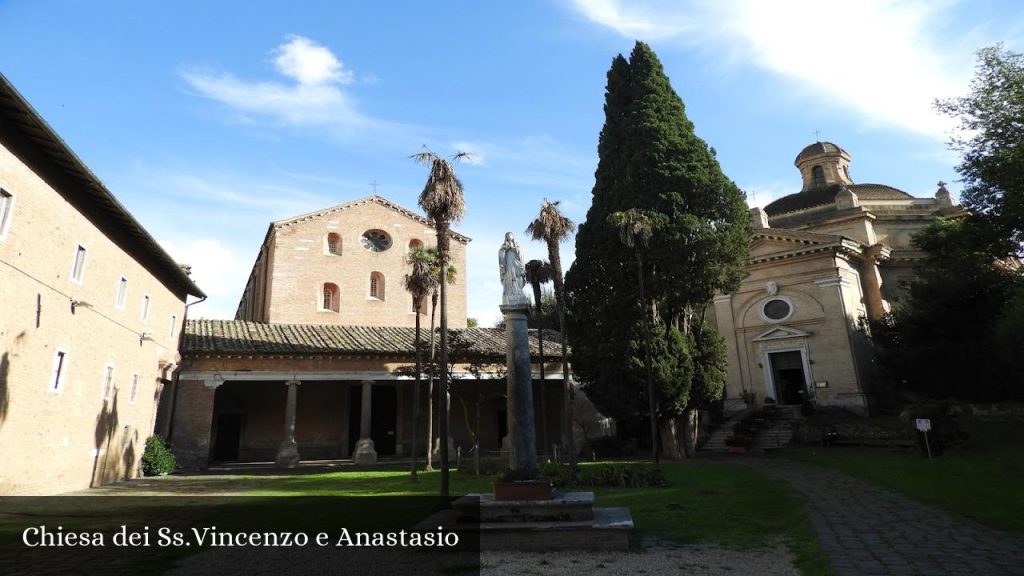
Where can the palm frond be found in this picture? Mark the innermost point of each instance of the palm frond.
(421, 280)
(551, 224)
(442, 198)
(635, 226)
(539, 271)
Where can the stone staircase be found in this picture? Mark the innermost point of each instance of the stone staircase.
(777, 435)
(777, 432)
(716, 442)
(566, 521)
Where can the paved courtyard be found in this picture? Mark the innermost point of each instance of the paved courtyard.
(866, 529)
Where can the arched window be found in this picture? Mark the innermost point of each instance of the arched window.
(414, 243)
(333, 244)
(329, 298)
(377, 285)
(818, 173)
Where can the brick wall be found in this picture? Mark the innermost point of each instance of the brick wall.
(71, 437)
(296, 263)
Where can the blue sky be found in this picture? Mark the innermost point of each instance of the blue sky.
(208, 120)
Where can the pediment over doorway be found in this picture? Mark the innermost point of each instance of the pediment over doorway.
(781, 333)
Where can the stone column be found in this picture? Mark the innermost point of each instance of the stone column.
(871, 281)
(193, 421)
(365, 453)
(288, 451)
(523, 444)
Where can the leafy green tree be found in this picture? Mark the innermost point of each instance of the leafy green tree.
(635, 230)
(444, 202)
(991, 139)
(959, 335)
(954, 337)
(651, 160)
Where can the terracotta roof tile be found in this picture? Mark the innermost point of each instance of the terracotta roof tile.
(240, 337)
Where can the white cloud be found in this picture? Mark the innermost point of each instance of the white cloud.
(217, 270)
(315, 97)
(885, 59)
(240, 193)
(763, 193)
(649, 20)
(309, 63)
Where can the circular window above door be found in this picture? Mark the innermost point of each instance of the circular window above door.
(776, 309)
(376, 240)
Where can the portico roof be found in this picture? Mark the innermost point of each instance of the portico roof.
(240, 337)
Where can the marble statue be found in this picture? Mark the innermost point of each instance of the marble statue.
(513, 276)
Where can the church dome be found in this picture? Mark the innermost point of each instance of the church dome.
(827, 196)
(818, 149)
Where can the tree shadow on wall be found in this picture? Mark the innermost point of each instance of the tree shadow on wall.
(106, 425)
(5, 374)
(5, 401)
(128, 457)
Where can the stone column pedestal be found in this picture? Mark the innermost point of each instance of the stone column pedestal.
(288, 450)
(523, 444)
(365, 453)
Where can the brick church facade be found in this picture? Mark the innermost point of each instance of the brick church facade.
(325, 320)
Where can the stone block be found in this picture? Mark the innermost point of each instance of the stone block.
(365, 454)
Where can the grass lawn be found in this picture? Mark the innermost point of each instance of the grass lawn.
(983, 479)
(725, 504)
(719, 503)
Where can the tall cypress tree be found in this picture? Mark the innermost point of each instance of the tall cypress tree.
(650, 159)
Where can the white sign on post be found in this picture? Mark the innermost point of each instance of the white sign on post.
(924, 424)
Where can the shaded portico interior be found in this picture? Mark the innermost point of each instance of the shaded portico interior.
(229, 402)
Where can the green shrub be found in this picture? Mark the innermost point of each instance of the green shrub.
(157, 458)
(624, 475)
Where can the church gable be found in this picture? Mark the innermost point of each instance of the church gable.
(778, 242)
(370, 205)
(780, 333)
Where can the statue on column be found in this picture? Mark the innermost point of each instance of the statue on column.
(513, 275)
(514, 306)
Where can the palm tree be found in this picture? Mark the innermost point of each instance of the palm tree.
(419, 282)
(553, 228)
(442, 199)
(435, 271)
(635, 230)
(540, 272)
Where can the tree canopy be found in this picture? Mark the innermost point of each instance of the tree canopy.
(650, 160)
(959, 335)
(953, 338)
(991, 140)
